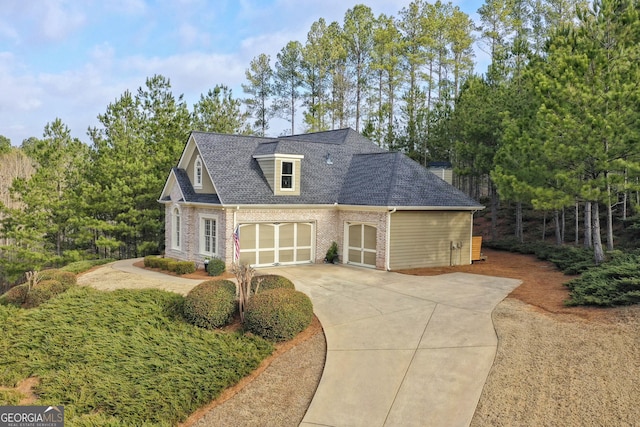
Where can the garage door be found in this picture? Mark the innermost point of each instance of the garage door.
(361, 241)
(286, 243)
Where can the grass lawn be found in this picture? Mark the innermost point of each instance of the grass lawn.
(120, 358)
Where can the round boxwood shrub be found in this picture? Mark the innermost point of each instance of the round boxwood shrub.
(278, 314)
(211, 304)
(66, 278)
(16, 295)
(43, 292)
(270, 281)
(216, 267)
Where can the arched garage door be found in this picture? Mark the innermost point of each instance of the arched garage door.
(361, 244)
(285, 243)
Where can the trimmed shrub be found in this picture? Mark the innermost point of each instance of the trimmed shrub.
(211, 304)
(278, 314)
(66, 278)
(270, 281)
(151, 261)
(43, 292)
(16, 295)
(163, 263)
(182, 267)
(216, 267)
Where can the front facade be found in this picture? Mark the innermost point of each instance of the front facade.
(283, 201)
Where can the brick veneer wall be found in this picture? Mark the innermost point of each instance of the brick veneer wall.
(329, 227)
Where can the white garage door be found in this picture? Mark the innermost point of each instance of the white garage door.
(361, 241)
(284, 243)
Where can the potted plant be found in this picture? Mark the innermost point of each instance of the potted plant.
(332, 254)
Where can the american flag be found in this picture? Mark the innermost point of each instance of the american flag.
(236, 242)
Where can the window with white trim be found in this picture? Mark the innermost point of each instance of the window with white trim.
(197, 173)
(175, 243)
(287, 176)
(209, 235)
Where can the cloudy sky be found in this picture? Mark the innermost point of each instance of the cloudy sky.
(71, 58)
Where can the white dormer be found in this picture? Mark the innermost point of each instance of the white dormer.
(282, 172)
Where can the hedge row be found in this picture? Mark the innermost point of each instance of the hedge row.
(170, 264)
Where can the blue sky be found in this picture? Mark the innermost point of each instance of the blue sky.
(71, 58)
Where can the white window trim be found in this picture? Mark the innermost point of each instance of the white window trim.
(201, 219)
(176, 228)
(293, 175)
(197, 167)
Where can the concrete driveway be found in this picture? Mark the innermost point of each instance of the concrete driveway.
(401, 350)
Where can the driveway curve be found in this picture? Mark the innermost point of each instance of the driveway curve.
(401, 350)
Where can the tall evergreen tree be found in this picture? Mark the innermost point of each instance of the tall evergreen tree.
(260, 88)
(288, 82)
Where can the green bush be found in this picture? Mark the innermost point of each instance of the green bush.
(151, 261)
(16, 295)
(270, 281)
(278, 314)
(211, 304)
(182, 267)
(163, 263)
(216, 267)
(613, 283)
(66, 278)
(43, 292)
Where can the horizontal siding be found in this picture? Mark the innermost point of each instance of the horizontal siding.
(268, 170)
(423, 239)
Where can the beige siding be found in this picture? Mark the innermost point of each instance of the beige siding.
(444, 174)
(207, 185)
(425, 239)
(268, 170)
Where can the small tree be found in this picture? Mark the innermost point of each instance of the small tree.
(244, 274)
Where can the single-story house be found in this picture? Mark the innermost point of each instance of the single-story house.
(283, 201)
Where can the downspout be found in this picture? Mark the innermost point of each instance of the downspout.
(387, 245)
(233, 230)
(471, 239)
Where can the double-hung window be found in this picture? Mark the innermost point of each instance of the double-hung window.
(209, 235)
(287, 176)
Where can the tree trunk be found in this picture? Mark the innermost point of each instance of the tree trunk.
(598, 253)
(519, 228)
(609, 220)
(562, 234)
(494, 213)
(544, 225)
(588, 237)
(577, 242)
(558, 231)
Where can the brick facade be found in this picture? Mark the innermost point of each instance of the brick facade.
(329, 224)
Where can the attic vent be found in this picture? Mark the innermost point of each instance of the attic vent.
(328, 158)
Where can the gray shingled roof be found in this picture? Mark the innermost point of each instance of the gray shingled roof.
(361, 174)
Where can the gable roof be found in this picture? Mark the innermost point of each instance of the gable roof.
(359, 173)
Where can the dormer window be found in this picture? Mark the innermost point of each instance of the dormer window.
(287, 176)
(197, 173)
